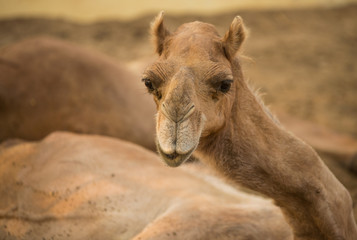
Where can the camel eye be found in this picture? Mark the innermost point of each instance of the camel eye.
(148, 84)
(225, 86)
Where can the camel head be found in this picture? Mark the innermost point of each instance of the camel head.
(193, 84)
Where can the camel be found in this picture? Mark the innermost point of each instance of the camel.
(48, 85)
(205, 108)
(78, 186)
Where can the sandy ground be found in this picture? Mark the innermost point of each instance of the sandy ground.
(305, 61)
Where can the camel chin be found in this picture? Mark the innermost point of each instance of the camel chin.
(173, 159)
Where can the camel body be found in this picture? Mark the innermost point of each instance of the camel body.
(71, 186)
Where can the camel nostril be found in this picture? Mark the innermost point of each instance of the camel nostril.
(187, 113)
(163, 105)
(192, 106)
(166, 112)
(177, 115)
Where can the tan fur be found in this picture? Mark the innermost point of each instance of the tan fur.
(159, 32)
(71, 186)
(48, 85)
(234, 38)
(233, 133)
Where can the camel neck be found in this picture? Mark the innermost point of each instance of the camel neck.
(254, 151)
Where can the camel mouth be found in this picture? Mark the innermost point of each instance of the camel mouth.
(174, 159)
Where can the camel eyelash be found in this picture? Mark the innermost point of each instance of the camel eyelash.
(148, 84)
(152, 89)
(225, 86)
(221, 86)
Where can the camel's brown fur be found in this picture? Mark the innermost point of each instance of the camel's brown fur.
(71, 186)
(48, 85)
(232, 132)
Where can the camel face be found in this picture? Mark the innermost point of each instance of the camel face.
(192, 84)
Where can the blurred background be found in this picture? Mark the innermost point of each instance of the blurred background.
(93, 10)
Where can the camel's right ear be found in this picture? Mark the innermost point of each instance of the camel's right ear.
(159, 32)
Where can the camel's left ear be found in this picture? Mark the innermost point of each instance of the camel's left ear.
(159, 32)
(234, 37)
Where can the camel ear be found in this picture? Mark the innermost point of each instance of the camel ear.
(234, 37)
(159, 32)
